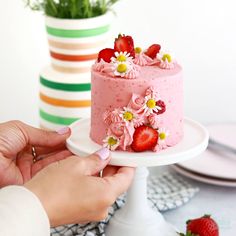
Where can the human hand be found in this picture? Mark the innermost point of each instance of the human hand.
(71, 190)
(16, 160)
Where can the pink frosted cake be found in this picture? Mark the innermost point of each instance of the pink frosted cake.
(137, 98)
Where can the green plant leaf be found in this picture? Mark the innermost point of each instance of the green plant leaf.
(71, 9)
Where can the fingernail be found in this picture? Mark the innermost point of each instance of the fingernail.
(63, 130)
(103, 153)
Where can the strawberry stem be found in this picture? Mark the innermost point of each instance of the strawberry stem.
(188, 221)
(207, 216)
(188, 234)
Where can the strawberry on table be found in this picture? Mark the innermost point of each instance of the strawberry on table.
(153, 50)
(203, 226)
(124, 43)
(144, 138)
(106, 54)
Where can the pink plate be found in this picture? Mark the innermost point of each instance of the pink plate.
(218, 164)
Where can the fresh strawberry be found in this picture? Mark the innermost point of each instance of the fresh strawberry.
(162, 105)
(203, 226)
(153, 50)
(106, 54)
(144, 138)
(124, 43)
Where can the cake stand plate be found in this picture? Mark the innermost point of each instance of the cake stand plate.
(195, 140)
(136, 218)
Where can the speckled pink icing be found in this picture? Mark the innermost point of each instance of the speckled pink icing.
(109, 93)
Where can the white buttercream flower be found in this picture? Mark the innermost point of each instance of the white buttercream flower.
(121, 69)
(150, 105)
(121, 57)
(164, 56)
(165, 60)
(124, 66)
(163, 133)
(111, 142)
(127, 114)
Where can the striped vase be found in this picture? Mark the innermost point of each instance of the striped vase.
(64, 98)
(74, 44)
(65, 85)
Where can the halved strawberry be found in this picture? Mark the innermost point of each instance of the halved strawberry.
(106, 54)
(162, 105)
(144, 138)
(153, 50)
(124, 43)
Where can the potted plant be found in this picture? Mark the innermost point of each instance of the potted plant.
(76, 29)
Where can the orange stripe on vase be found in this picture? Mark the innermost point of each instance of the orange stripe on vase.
(75, 46)
(64, 57)
(71, 69)
(64, 103)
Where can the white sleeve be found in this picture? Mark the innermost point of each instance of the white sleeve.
(21, 213)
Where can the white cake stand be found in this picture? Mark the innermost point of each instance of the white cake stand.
(136, 218)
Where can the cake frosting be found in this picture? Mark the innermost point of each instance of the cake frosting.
(131, 93)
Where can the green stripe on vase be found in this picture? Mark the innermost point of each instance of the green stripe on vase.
(57, 119)
(64, 86)
(77, 33)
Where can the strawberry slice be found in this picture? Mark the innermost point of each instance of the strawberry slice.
(106, 54)
(124, 43)
(162, 105)
(153, 50)
(144, 138)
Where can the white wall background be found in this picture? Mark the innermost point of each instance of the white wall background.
(202, 35)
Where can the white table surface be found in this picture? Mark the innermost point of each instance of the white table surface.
(218, 201)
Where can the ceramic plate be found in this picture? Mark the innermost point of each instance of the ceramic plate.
(216, 164)
(204, 178)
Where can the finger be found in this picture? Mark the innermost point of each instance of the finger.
(96, 162)
(99, 174)
(52, 154)
(47, 150)
(110, 171)
(39, 165)
(24, 162)
(39, 137)
(120, 182)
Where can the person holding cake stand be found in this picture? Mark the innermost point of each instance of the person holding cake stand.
(43, 184)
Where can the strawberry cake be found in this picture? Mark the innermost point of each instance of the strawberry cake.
(137, 98)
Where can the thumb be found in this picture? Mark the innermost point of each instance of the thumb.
(97, 161)
(39, 137)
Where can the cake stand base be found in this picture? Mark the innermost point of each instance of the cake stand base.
(137, 218)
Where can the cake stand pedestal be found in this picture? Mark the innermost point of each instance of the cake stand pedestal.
(136, 218)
